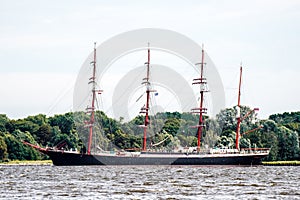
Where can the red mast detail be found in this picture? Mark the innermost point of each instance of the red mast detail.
(201, 110)
(238, 115)
(92, 109)
(146, 109)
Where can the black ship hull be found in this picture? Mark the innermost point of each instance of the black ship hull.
(61, 158)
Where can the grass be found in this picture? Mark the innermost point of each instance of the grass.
(282, 163)
(28, 162)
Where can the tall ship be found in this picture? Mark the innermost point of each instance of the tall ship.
(144, 155)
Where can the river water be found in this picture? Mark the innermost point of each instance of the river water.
(149, 182)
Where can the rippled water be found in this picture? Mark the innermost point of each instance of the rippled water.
(149, 182)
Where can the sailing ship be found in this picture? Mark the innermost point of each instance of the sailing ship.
(144, 156)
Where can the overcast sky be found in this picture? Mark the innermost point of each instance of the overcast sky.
(44, 43)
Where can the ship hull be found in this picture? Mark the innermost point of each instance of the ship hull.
(61, 158)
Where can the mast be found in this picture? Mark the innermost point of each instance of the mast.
(92, 108)
(145, 109)
(201, 110)
(238, 114)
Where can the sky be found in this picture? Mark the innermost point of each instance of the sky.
(44, 43)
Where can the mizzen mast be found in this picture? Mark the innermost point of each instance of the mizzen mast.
(238, 113)
(92, 109)
(200, 110)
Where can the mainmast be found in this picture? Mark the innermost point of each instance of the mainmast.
(238, 113)
(201, 110)
(92, 108)
(145, 108)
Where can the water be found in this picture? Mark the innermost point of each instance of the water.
(149, 182)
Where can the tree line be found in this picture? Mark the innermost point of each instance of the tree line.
(167, 131)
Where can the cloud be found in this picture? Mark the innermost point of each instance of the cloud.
(271, 92)
(57, 36)
(24, 94)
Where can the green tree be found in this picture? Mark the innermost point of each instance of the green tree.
(18, 151)
(226, 139)
(38, 120)
(269, 138)
(3, 149)
(25, 125)
(44, 134)
(227, 119)
(3, 122)
(293, 143)
(65, 122)
(171, 126)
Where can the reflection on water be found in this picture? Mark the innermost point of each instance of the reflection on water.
(149, 182)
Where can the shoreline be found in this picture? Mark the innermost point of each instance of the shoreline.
(27, 162)
(49, 162)
(281, 163)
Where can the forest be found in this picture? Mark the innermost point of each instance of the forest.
(168, 130)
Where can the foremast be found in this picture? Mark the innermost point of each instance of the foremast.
(92, 109)
(145, 108)
(202, 81)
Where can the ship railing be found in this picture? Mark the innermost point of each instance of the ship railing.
(223, 151)
(255, 150)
